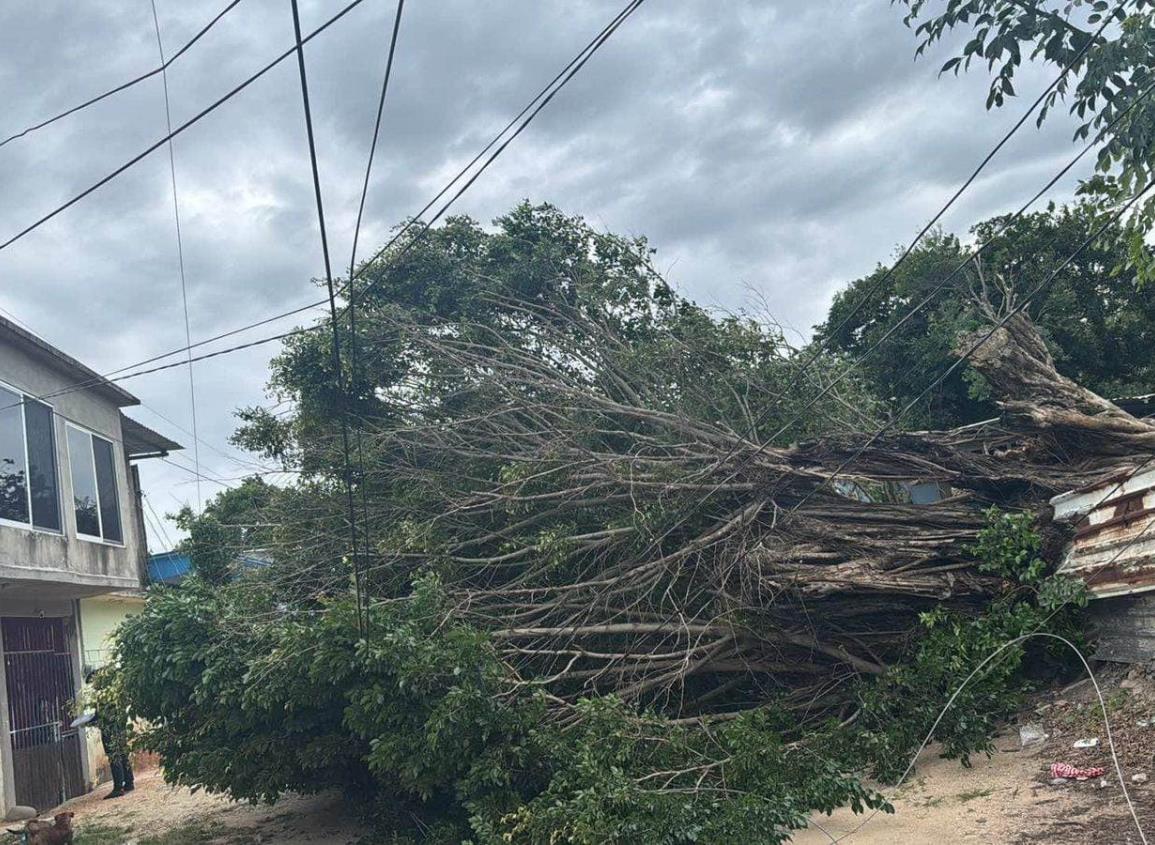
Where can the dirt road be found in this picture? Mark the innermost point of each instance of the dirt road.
(157, 814)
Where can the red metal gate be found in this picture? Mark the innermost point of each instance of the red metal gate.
(41, 687)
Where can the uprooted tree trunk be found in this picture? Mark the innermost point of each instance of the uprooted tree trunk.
(635, 549)
(1036, 398)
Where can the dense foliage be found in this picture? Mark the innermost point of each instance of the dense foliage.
(424, 722)
(897, 712)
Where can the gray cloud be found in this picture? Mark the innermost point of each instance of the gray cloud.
(774, 147)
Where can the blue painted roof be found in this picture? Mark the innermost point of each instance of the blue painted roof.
(168, 567)
(173, 567)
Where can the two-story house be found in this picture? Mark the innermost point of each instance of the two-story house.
(70, 529)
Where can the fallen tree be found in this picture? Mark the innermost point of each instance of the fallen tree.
(625, 570)
(625, 547)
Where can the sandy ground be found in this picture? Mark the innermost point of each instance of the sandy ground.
(993, 801)
(156, 808)
(1010, 797)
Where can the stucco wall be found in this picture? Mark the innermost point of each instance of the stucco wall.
(38, 556)
(99, 617)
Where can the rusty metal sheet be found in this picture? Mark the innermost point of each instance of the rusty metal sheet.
(1113, 550)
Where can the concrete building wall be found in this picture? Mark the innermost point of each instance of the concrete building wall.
(99, 617)
(29, 555)
(45, 574)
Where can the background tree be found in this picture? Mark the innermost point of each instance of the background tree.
(1099, 324)
(234, 522)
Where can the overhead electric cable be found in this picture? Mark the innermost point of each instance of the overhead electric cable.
(353, 342)
(562, 78)
(557, 80)
(938, 288)
(762, 446)
(336, 342)
(104, 180)
(958, 362)
(878, 286)
(192, 390)
(126, 85)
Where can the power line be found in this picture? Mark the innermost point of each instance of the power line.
(163, 532)
(878, 286)
(250, 465)
(698, 503)
(195, 472)
(849, 368)
(376, 134)
(353, 343)
(557, 80)
(191, 121)
(575, 67)
(336, 347)
(192, 390)
(560, 80)
(126, 85)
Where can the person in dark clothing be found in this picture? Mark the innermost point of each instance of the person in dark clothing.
(112, 720)
(115, 742)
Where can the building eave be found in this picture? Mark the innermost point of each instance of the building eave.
(41, 349)
(141, 442)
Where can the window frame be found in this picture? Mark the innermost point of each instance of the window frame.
(29, 525)
(89, 538)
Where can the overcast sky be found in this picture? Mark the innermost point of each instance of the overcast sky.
(770, 150)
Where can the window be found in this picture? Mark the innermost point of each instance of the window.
(29, 493)
(94, 496)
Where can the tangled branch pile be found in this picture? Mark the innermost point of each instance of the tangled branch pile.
(636, 496)
(628, 546)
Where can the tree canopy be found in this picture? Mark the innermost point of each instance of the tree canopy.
(1099, 324)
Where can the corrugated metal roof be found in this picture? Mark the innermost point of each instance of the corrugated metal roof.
(140, 440)
(1113, 550)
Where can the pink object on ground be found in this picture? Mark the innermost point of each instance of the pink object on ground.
(1063, 770)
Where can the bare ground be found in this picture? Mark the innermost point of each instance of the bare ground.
(1009, 797)
(160, 814)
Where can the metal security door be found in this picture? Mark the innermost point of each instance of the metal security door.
(45, 750)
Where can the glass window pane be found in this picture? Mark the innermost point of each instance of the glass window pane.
(38, 424)
(106, 484)
(84, 497)
(13, 477)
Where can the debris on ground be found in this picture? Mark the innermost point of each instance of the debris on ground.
(1065, 770)
(1032, 734)
(158, 814)
(989, 803)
